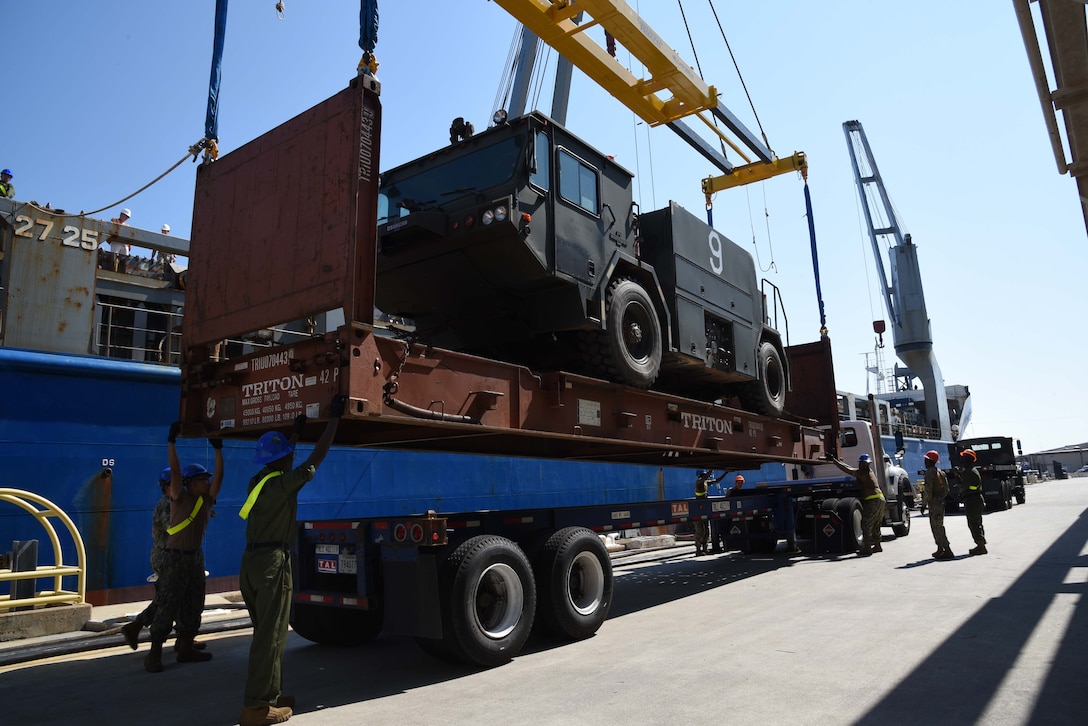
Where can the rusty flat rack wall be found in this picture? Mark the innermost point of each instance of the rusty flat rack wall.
(812, 392)
(436, 400)
(284, 226)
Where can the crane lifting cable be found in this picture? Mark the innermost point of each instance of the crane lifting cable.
(368, 35)
(211, 119)
(815, 260)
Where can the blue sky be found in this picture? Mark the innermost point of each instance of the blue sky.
(103, 97)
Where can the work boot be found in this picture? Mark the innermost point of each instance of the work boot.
(877, 548)
(197, 645)
(187, 653)
(865, 551)
(153, 661)
(978, 550)
(944, 554)
(131, 631)
(263, 715)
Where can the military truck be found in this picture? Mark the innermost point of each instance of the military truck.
(523, 243)
(1002, 478)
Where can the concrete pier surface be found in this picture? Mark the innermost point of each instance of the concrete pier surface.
(895, 638)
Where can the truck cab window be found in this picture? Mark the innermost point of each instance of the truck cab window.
(464, 175)
(577, 182)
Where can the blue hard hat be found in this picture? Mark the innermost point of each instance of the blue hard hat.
(703, 472)
(194, 470)
(7, 171)
(164, 476)
(864, 458)
(272, 447)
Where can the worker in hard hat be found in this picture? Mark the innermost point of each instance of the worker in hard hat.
(119, 248)
(160, 523)
(702, 526)
(265, 572)
(872, 501)
(163, 257)
(193, 491)
(973, 502)
(7, 189)
(936, 490)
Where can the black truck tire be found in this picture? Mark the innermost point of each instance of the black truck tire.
(902, 529)
(629, 351)
(336, 626)
(1021, 497)
(574, 577)
(488, 601)
(849, 511)
(767, 394)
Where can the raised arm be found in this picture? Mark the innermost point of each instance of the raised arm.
(217, 475)
(172, 460)
(321, 448)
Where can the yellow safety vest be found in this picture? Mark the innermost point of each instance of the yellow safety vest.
(252, 498)
(189, 520)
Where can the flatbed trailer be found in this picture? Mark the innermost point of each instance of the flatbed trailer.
(284, 230)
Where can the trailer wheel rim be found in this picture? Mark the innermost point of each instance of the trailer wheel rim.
(499, 600)
(585, 583)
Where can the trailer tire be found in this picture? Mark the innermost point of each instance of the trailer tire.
(1020, 496)
(629, 350)
(574, 577)
(849, 511)
(767, 394)
(347, 627)
(488, 601)
(902, 529)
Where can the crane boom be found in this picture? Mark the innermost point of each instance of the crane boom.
(554, 22)
(903, 294)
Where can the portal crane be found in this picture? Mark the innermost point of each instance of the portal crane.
(903, 296)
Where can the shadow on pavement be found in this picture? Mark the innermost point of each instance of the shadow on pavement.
(958, 680)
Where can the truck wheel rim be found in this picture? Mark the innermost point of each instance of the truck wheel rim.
(585, 583)
(635, 322)
(499, 601)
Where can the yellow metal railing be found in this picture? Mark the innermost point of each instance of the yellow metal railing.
(44, 510)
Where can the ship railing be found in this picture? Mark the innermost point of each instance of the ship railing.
(890, 429)
(44, 510)
(128, 330)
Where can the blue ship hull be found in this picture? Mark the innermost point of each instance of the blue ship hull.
(88, 434)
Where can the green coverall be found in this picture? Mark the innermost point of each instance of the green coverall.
(265, 579)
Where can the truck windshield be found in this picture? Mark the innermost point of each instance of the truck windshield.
(405, 192)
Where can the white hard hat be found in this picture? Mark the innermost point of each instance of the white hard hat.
(166, 229)
(127, 212)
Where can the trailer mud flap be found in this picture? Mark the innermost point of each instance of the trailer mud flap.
(410, 587)
(750, 534)
(828, 533)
